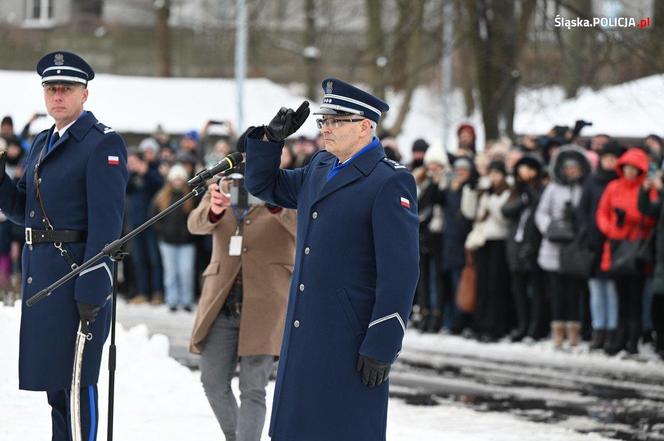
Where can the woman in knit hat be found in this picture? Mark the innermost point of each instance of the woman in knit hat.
(493, 311)
(522, 246)
(467, 138)
(176, 244)
(430, 296)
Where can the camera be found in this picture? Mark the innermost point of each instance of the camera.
(579, 125)
(240, 197)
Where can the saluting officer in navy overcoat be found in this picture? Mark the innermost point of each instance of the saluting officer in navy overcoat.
(70, 201)
(356, 268)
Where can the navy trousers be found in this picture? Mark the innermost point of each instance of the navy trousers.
(60, 414)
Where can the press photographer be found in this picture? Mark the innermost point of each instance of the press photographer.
(241, 312)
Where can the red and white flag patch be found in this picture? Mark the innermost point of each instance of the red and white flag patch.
(113, 160)
(405, 202)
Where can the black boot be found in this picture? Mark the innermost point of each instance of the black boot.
(521, 305)
(518, 334)
(521, 330)
(435, 321)
(659, 345)
(422, 319)
(539, 325)
(460, 323)
(633, 335)
(615, 341)
(599, 336)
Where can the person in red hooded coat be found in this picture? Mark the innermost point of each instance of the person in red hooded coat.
(619, 218)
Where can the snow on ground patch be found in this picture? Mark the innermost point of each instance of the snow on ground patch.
(533, 354)
(158, 399)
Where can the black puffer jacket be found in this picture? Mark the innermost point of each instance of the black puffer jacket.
(524, 239)
(427, 200)
(173, 228)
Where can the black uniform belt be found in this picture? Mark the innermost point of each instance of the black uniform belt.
(33, 236)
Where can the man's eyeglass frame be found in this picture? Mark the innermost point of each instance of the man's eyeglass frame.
(334, 122)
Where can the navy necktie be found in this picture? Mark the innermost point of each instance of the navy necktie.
(54, 139)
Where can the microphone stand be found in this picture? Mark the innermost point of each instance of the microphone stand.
(115, 252)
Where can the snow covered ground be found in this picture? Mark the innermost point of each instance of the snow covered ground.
(540, 353)
(158, 399)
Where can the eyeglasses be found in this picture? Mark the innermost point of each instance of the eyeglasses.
(332, 122)
(65, 89)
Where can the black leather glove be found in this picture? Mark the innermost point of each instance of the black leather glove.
(286, 122)
(87, 312)
(621, 217)
(373, 372)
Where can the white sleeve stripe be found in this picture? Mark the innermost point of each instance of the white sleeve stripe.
(96, 267)
(387, 317)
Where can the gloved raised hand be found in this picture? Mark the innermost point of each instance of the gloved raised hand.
(88, 312)
(373, 372)
(286, 122)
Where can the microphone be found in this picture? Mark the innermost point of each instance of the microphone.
(227, 163)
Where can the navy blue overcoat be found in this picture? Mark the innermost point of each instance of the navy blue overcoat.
(356, 269)
(83, 182)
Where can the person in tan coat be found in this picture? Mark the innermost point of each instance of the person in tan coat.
(242, 307)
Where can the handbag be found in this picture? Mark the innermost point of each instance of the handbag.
(576, 258)
(626, 257)
(629, 257)
(476, 238)
(646, 254)
(560, 231)
(466, 295)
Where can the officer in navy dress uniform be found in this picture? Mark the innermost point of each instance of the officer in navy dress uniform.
(70, 201)
(356, 268)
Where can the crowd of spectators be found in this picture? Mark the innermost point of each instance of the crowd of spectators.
(554, 237)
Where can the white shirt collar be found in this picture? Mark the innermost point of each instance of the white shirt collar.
(62, 131)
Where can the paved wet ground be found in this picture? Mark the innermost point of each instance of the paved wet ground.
(619, 405)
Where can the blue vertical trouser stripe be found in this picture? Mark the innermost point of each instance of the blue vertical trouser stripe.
(93, 416)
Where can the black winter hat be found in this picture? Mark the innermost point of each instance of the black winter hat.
(531, 160)
(612, 148)
(420, 145)
(498, 166)
(657, 138)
